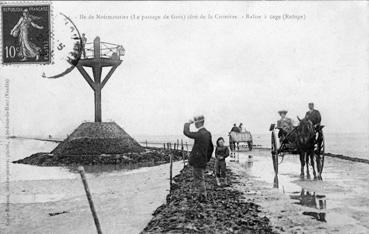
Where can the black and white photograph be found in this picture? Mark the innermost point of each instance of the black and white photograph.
(184, 117)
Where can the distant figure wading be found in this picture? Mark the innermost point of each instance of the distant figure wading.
(200, 154)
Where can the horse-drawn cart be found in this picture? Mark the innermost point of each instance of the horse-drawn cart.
(304, 140)
(238, 137)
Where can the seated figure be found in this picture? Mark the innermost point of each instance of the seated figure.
(285, 125)
(242, 128)
(235, 129)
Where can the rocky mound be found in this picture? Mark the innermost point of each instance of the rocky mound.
(225, 210)
(93, 138)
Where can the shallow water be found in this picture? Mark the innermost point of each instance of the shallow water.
(340, 200)
(21, 148)
(348, 144)
(124, 201)
(52, 199)
(13, 172)
(18, 149)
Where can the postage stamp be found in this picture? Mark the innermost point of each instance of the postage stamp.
(26, 33)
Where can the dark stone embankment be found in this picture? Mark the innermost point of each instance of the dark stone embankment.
(353, 159)
(150, 155)
(225, 210)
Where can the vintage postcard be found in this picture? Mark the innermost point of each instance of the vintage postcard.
(184, 117)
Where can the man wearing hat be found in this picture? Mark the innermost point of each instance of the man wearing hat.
(285, 124)
(200, 154)
(313, 115)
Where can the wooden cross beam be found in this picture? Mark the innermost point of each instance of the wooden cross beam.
(97, 63)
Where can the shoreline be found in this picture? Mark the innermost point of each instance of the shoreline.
(150, 157)
(348, 158)
(276, 205)
(124, 201)
(160, 144)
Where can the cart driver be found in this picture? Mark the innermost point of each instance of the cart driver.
(235, 129)
(313, 115)
(285, 124)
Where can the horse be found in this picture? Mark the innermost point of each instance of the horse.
(305, 140)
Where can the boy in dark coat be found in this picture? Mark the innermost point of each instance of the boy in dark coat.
(200, 154)
(221, 153)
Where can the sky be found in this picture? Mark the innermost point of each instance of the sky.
(231, 71)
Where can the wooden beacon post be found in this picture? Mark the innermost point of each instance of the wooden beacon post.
(97, 63)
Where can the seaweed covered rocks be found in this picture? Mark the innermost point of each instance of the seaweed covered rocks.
(225, 210)
(101, 143)
(149, 155)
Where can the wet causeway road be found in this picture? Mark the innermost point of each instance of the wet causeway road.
(338, 204)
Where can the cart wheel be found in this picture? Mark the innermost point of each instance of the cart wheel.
(274, 153)
(322, 151)
(249, 143)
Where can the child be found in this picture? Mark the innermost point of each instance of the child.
(221, 152)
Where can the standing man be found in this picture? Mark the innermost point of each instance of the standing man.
(313, 115)
(200, 154)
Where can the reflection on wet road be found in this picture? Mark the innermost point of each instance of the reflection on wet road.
(340, 200)
(312, 200)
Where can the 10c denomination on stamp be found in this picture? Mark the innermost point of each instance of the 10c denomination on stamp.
(26, 34)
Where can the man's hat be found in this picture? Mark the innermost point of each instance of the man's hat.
(311, 103)
(199, 118)
(282, 111)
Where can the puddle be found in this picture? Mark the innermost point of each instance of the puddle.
(339, 203)
(311, 200)
(315, 202)
(247, 165)
(247, 162)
